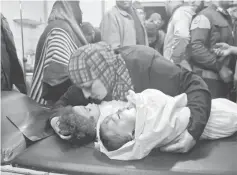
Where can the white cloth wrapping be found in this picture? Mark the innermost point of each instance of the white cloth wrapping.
(222, 121)
(160, 119)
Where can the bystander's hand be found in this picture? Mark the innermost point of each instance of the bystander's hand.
(226, 74)
(183, 145)
(222, 49)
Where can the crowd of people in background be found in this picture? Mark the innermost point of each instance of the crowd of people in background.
(198, 42)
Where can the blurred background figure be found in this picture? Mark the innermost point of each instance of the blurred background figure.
(233, 13)
(178, 31)
(140, 10)
(11, 70)
(91, 33)
(212, 25)
(156, 19)
(171, 6)
(121, 26)
(155, 33)
(60, 38)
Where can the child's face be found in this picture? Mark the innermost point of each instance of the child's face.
(91, 110)
(122, 122)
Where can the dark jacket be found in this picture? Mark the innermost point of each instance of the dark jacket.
(11, 71)
(209, 27)
(148, 69)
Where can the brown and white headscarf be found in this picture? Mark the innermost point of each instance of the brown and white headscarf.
(99, 61)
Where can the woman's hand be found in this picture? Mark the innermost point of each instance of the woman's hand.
(55, 125)
(182, 145)
(222, 49)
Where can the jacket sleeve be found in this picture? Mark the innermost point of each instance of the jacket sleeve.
(181, 37)
(199, 101)
(173, 80)
(110, 30)
(200, 54)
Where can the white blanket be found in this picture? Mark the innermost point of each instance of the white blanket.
(161, 119)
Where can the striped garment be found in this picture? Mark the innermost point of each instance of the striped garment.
(57, 50)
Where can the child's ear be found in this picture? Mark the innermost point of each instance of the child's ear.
(65, 137)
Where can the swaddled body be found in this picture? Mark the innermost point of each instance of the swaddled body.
(160, 119)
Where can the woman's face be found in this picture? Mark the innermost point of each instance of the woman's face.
(94, 89)
(122, 122)
(91, 110)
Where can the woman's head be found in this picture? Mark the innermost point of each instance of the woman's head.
(91, 33)
(117, 129)
(66, 9)
(98, 71)
(70, 12)
(78, 122)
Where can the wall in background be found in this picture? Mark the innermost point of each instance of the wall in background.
(33, 10)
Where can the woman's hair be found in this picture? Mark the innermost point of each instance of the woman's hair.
(114, 141)
(81, 129)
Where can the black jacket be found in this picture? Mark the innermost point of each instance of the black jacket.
(11, 71)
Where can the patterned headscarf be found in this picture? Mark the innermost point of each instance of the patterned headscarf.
(99, 61)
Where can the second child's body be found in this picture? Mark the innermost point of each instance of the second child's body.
(154, 120)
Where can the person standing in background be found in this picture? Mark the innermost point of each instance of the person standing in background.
(121, 26)
(178, 32)
(234, 19)
(210, 26)
(11, 70)
(155, 35)
(60, 38)
(140, 11)
(171, 6)
(91, 33)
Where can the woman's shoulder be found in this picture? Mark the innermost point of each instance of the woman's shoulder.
(58, 26)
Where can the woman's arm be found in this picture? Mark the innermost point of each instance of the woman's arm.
(173, 80)
(73, 96)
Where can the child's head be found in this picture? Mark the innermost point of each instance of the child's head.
(79, 122)
(118, 129)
